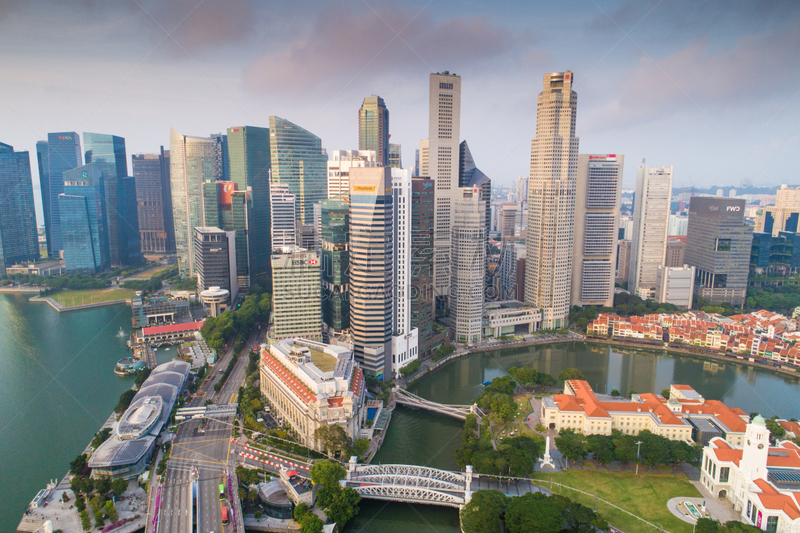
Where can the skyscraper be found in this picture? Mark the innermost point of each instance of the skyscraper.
(395, 156)
(156, 228)
(18, 238)
(299, 161)
(594, 252)
(191, 164)
(235, 213)
(283, 216)
(221, 159)
(82, 211)
(373, 128)
(297, 309)
(249, 166)
(44, 184)
(422, 294)
(405, 339)
(339, 166)
(215, 260)
(63, 153)
(650, 223)
(470, 176)
(439, 159)
(371, 268)
(551, 200)
(784, 215)
(468, 264)
(335, 259)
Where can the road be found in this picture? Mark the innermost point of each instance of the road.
(205, 445)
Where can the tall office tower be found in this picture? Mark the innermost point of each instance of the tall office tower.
(416, 162)
(84, 225)
(63, 153)
(191, 163)
(339, 165)
(674, 252)
(299, 161)
(318, 228)
(405, 340)
(211, 201)
(422, 293)
(625, 230)
(423, 166)
(296, 308)
(283, 216)
(396, 156)
(371, 269)
(594, 250)
(783, 216)
(470, 176)
(551, 201)
(249, 166)
(215, 260)
(440, 160)
(678, 225)
(468, 263)
(512, 253)
(18, 237)
(508, 220)
(718, 244)
(373, 128)
(623, 261)
(156, 229)
(221, 160)
(235, 213)
(335, 258)
(675, 285)
(650, 221)
(522, 189)
(44, 185)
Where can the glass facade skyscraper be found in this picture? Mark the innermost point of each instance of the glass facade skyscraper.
(335, 222)
(422, 294)
(63, 153)
(373, 128)
(156, 229)
(83, 220)
(18, 237)
(44, 184)
(298, 160)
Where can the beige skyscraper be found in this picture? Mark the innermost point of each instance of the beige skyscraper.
(782, 216)
(439, 160)
(551, 200)
(468, 260)
(650, 223)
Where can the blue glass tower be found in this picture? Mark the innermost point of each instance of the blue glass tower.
(63, 153)
(83, 220)
(44, 184)
(18, 238)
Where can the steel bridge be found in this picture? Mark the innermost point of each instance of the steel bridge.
(460, 412)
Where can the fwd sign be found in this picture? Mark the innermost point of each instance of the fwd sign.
(733, 208)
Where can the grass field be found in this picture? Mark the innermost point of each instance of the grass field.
(645, 495)
(147, 274)
(73, 298)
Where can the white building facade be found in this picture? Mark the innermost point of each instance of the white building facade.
(675, 285)
(339, 164)
(468, 263)
(282, 216)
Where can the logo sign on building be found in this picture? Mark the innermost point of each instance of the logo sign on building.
(364, 188)
(65, 137)
(734, 208)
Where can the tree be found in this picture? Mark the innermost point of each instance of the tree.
(103, 485)
(615, 393)
(602, 447)
(525, 376)
(78, 465)
(707, 525)
(98, 518)
(86, 523)
(360, 447)
(656, 450)
(581, 519)
(119, 486)
(300, 511)
(520, 454)
(343, 506)
(631, 393)
(570, 374)
(124, 401)
(333, 438)
(624, 447)
(582, 322)
(483, 512)
(533, 513)
(776, 431)
(327, 472)
(311, 523)
(111, 511)
(571, 445)
(665, 393)
(502, 385)
(546, 380)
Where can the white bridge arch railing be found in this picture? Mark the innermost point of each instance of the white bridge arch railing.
(406, 494)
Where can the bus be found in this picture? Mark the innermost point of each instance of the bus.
(224, 510)
(221, 491)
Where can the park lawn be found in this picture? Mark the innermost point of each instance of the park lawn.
(645, 495)
(73, 298)
(523, 406)
(147, 274)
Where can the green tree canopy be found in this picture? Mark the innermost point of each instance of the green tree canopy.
(571, 445)
(570, 374)
(483, 513)
(327, 472)
(533, 513)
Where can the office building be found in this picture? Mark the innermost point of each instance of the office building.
(551, 201)
(234, 212)
(783, 216)
(215, 260)
(778, 255)
(677, 225)
(249, 168)
(625, 229)
(220, 161)
(439, 159)
(311, 385)
(395, 156)
(296, 307)
(674, 252)
(594, 251)
(422, 299)
(335, 257)
(154, 199)
(43, 163)
(373, 128)
(339, 165)
(623, 261)
(84, 227)
(470, 176)
(283, 216)
(371, 268)
(468, 264)
(18, 237)
(507, 220)
(521, 193)
(159, 310)
(650, 220)
(318, 228)
(63, 153)
(675, 285)
(718, 244)
(512, 253)
(211, 202)
(298, 160)
(191, 164)
(405, 340)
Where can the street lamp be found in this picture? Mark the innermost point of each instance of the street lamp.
(638, 449)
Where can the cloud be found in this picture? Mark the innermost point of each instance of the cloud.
(344, 41)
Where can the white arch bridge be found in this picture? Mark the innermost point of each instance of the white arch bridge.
(421, 484)
(460, 412)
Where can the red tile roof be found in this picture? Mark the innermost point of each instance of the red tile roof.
(775, 501)
(288, 379)
(173, 328)
(357, 384)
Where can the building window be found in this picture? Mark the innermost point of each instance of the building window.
(772, 524)
(724, 472)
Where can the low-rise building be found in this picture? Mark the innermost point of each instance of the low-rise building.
(159, 310)
(45, 268)
(502, 318)
(168, 334)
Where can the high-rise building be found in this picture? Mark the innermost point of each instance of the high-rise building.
(512, 253)
(422, 300)
(339, 165)
(235, 213)
(298, 160)
(468, 262)
(508, 220)
(63, 153)
(522, 190)
(156, 228)
(44, 184)
(221, 160)
(249, 166)
(395, 156)
(405, 340)
(674, 252)
(675, 285)
(439, 155)
(191, 164)
(470, 176)
(623, 261)
(551, 201)
(211, 201)
(783, 216)
(371, 268)
(718, 244)
(283, 216)
(318, 228)
(594, 251)
(677, 225)
(215, 260)
(296, 308)
(423, 159)
(18, 237)
(335, 236)
(373, 128)
(82, 211)
(650, 221)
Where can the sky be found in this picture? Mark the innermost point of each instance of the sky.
(710, 87)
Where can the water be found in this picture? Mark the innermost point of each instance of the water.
(422, 438)
(57, 387)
